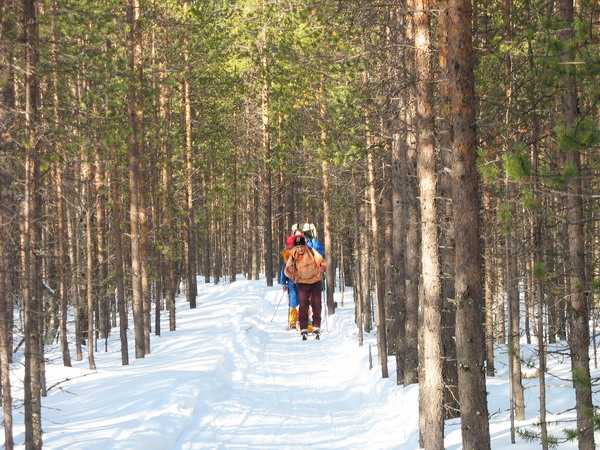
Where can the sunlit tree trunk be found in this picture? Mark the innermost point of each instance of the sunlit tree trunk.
(431, 383)
(328, 235)
(191, 268)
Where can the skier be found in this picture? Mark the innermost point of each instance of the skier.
(306, 266)
(289, 285)
(309, 231)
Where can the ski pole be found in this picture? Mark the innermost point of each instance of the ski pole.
(280, 298)
(326, 321)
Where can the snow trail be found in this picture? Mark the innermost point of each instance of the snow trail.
(230, 378)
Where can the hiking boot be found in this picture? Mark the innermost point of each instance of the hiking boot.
(304, 334)
(317, 333)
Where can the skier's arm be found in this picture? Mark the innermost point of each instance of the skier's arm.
(290, 268)
(320, 262)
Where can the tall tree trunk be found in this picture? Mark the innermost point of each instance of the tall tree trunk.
(268, 172)
(469, 296)
(191, 268)
(89, 258)
(489, 289)
(580, 334)
(73, 249)
(101, 223)
(118, 257)
(538, 288)
(399, 218)
(32, 382)
(412, 260)
(365, 266)
(512, 270)
(376, 239)
(431, 383)
(254, 223)
(511, 281)
(449, 368)
(134, 102)
(5, 322)
(357, 285)
(234, 220)
(61, 230)
(328, 235)
(398, 24)
(390, 298)
(144, 189)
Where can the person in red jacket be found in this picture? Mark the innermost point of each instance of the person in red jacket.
(305, 267)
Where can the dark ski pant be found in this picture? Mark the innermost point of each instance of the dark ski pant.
(310, 295)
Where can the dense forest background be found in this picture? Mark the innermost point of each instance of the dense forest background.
(448, 153)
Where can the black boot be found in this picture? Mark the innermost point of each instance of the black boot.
(304, 334)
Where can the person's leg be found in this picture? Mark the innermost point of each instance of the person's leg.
(303, 298)
(293, 303)
(315, 302)
(293, 291)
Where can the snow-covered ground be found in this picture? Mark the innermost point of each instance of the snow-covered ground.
(232, 377)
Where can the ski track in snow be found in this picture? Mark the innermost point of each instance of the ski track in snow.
(230, 378)
(301, 389)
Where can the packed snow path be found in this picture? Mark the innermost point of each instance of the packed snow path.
(232, 377)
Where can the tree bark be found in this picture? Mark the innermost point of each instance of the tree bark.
(5, 322)
(580, 334)
(489, 289)
(449, 368)
(89, 258)
(357, 285)
(413, 262)
(102, 247)
(134, 103)
(469, 296)
(376, 238)
(32, 382)
(118, 258)
(328, 235)
(431, 384)
(61, 230)
(191, 268)
(512, 271)
(268, 172)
